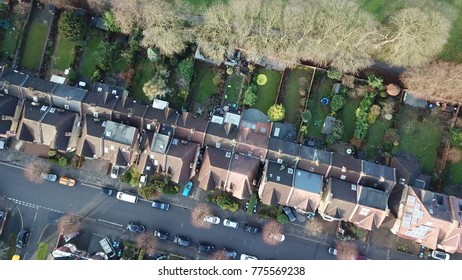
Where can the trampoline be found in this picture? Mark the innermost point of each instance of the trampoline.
(5, 24)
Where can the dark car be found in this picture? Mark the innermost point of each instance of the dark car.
(205, 247)
(2, 215)
(289, 213)
(252, 229)
(182, 240)
(23, 237)
(136, 228)
(162, 235)
(108, 191)
(160, 205)
(246, 206)
(229, 253)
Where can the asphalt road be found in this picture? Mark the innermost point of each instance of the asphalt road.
(40, 204)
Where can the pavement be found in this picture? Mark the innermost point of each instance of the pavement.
(94, 172)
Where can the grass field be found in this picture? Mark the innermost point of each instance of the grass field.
(64, 53)
(349, 118)
(291, 88)
(266, 94)
(453, 173)
(9, 38)
(452, 51)
(33, 46)
(144, 72)
(42, 251)
(202, 86)
(420, 138)
(233, 89)
(89, 60)
(375, 137)
(322, 87)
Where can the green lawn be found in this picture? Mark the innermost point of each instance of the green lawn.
(33, 46)
(419, 138)
(453, 173)
(452, 51)
(349, 118)
(64, 53)
(89, 60)
(291, 87)
(375, 137)
(42, 251)
(119, 66)
(202, 86)
(233, 88)
(143, 73)
(9, 38)
(266, 94)
(322, 87)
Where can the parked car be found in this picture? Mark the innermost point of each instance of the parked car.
(289, 213)
(245, 257)
(246, 206)
(160, 205)
(136, 228)
(182, 240)
(229, 253)
(332, 251)
(2, 215)
(162, 235)
(212, 219)
(66, 181)
(108, 191)
(49, 177)
(187, 188)
(279, 237)
(231, 223)
(440, 255)
(115, 171)
(255, 207)
(252, 229)
(204, 247)
(22, 238)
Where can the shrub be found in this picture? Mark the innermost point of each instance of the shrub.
(261, 79)
(106, 54)
(391, 136)
(250, 95)
(348, 81)
(148, 192)
(71, 25)
(186, 69)
(110, 22)
(334, 74)
(283, 219)
(126, 177)
(276, 112)
(170, 188)
(153, 55)
(96, 76)
(337, 129)
(375, 82)
(229, 71)
(304, 130)
(52, 153)
(217, 79)
(373, 114)
(225, 202)
(62, 161)
(338, 100)
(330, 139)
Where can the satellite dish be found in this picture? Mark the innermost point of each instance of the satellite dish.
(66, 71)
(349, 151)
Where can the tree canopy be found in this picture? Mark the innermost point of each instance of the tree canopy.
(71, 25)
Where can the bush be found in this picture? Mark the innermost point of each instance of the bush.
(170, 189)
(106, 54)
(71, 25)
(283, 219)
(96, 76)
(126, 177)
(261, 79)
(52, 153)
(330, 139)
(337, 129)
(186, 69)
(373, 114)
(276, 112)
(391, 136)
(338, 100)
(225, 202)
(153, 55)
(229, 71)
(110, 22)
(375, 82)
(62, 161)
(334, 74)
(250, 95)
(148, 192)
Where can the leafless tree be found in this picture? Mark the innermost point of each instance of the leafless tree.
(218, 255)
(147, 241)
(69, 223)
(272, 232)
(413, 37)
(393, 90)
(437, 81)
(198, 214)
(314, 227)
(67, 4)
(34, 169)
(98, 6)
(346, 250)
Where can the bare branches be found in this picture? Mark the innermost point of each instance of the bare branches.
(346, 250)
(272, 233)
(34, 169)
(198, 214)
(69, 223)
(146, 241)
(314, 227)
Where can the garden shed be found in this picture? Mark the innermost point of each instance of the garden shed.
(327, 126)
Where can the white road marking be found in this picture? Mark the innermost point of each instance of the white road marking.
(91, 186)
(31, 205)
(12, 165)
(111, 223)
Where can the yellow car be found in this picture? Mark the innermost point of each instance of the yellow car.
(67, 181)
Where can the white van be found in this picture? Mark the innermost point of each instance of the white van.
(127, 197)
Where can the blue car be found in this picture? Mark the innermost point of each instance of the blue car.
(187, 188)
